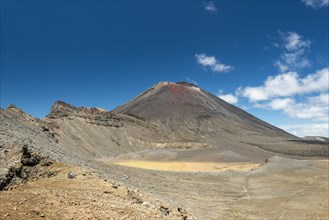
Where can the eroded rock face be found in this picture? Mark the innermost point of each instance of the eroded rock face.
(95, 115)
(23, 170)
(61, 109)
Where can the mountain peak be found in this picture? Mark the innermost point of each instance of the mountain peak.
(176, 88)
(185, 102)
(181, 83)
(60, 109)
(187, 84)
(164, 83)
(181, 100)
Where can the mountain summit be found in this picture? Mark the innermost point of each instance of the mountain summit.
(169, 100)
(189, 114)
(184, 101)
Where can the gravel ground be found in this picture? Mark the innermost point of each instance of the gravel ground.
(37, 184)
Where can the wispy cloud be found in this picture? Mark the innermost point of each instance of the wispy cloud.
(210, 6)
(294, 41)
(316, 3)
(212, 63)
(294, 55)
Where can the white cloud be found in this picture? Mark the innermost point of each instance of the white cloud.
(298, 97)
(294, 55)
(313, 107)
(316, 3)
(294, 41)
(278, 104)
(295, 60)
(288, 84)
(303, 130)
(210, 6)
(212, 63)
(230, 98)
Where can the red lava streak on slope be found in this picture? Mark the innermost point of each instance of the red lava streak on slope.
(178, 89)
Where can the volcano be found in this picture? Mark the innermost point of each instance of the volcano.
(190, 114)
(184, 101)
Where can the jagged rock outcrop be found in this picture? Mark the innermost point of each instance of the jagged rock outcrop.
(28, 167)
(94, 115)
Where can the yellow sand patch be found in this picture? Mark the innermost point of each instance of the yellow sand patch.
(326, 162)
(187, 166)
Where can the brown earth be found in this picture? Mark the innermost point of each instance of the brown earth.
(278, 189)
(87, 196)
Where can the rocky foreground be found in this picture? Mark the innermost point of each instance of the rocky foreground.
(41, 178)
(71, 192)
(37, 187)
(65, 166)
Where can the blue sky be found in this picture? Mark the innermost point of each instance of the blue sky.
(267, 57)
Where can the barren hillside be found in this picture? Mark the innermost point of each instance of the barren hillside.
(200, 156)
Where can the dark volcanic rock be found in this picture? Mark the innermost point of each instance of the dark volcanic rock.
(6, 178)
(27, 158)
(28, 168)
